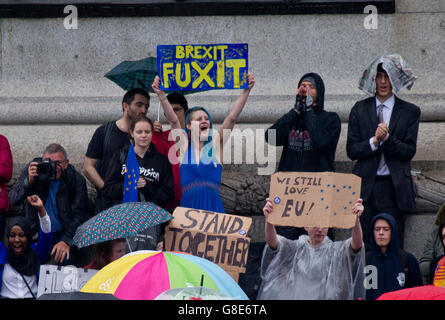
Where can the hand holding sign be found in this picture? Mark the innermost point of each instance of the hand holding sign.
(310, 199)
(358, 208)
(250, 80)
(156, 86)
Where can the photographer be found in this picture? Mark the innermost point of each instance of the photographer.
(308, 134)
(64, 194)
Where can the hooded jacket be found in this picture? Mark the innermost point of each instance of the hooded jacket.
(433, 248)
(309, 139)
(391, 275)
(437, 266)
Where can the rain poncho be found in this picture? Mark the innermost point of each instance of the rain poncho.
(399, 73)
(299, 271)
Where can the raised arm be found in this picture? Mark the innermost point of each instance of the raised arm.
(357, 233)
(229, 121)
(166, 106)
(271, 234)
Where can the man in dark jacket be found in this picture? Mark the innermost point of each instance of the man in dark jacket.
(389, 268)
(308, 134)
(382, 139)
(64, 193)
(110, 138)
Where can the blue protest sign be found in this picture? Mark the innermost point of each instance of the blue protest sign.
(203, 67)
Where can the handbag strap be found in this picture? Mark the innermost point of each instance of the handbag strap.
(28, 286)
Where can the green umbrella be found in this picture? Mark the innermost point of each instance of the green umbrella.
(137, 74)
(134, 74)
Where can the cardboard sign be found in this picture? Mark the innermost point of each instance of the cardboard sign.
(58, 279)
(313, 199)
(217, 237)
(202, 67)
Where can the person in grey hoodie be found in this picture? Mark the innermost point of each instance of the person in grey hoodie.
(433, 248)
(309, 135)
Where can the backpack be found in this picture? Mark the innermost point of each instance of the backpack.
(99, 203)
(106, 143)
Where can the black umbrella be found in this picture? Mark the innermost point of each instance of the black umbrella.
(77, 295)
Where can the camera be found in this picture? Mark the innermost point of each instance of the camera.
(46, 170)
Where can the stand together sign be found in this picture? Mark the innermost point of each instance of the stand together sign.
(217, 237)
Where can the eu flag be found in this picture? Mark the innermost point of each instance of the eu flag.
(131, 177)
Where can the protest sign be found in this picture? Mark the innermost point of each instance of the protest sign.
(313, 199)
(58, 279)
(202, 67)
(217, 237)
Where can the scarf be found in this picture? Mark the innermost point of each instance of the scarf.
(28, 263)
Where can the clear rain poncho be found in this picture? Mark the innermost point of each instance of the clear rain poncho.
(299, 271)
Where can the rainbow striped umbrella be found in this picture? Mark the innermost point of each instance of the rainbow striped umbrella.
(144, 275)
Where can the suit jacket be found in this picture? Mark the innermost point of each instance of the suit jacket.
(398, 149)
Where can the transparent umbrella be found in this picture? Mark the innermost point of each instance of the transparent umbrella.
(192, 293)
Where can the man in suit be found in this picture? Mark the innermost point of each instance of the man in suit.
(382, 136)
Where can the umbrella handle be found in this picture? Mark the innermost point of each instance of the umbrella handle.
(202, 283)
(159, 108)
(128, 243)
(142, 84)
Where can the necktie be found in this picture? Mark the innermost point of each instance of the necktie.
(380, 116)
(380, 112)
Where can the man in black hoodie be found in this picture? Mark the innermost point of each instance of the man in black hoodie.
(308, 134)
(389, 268)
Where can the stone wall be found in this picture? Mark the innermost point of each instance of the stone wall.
(53, 89)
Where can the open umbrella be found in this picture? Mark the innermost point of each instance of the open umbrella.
(134, 74)
(428, 292)
(120, 221)
(399, 73)
(144, 275)
(137, 74)
(76, 295)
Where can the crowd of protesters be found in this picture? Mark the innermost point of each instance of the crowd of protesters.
(298, 263)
